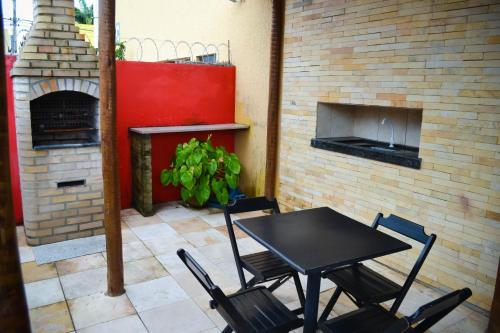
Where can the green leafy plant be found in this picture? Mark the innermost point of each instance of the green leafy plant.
(120, 51)
(202, 170)
(84, 14)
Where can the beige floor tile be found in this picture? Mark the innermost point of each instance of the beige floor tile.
(203, 302)
(26, 254)
(154, 293)
(130, 324)
(84, 283)
(129, 212)
(190, 225)
(204, 238)
(143, 270)
(128, 236)
(134, 251)
(169, 245)
(180, 317)
(80, 264)
(43, 292)
(237, 231)
(51, 318)
(33, 272)
(98, 308)
(214, 220)
(217, 252)
(171, 214)
(139, 220)
(147, 232)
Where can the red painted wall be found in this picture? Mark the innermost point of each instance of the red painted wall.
(155, 94)
(158, 94)
(14, 165)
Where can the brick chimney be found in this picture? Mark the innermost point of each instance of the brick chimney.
(54, 46)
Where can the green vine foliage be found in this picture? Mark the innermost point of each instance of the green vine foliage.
(120, 51)
(202, 170)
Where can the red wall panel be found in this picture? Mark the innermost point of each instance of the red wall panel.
(14, 165)
(158, 94)
(154, 94)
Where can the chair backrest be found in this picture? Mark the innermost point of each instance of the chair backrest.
(220, 301)
(243, 206)
(411, 230)
(429, 314)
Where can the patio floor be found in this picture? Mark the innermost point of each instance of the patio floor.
(161, 295)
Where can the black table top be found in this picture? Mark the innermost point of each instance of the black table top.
(319, 239)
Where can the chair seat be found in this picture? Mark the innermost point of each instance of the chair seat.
(263, 312)
(371, 319)
(265, 265)
(364, 284)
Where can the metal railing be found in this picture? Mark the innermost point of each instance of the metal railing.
(153, 50)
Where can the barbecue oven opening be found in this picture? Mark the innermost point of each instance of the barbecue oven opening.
(64, 119)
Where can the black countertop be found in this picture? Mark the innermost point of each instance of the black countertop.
(375, 150)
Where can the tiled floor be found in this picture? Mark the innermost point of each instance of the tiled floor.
(161, 294)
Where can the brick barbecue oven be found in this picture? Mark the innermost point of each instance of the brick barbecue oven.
(56, 90)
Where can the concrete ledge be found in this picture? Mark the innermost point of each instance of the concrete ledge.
(190, 128)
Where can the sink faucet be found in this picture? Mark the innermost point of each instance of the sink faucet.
(389, 121)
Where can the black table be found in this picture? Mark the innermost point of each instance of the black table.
(316, 240)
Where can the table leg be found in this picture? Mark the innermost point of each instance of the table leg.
(312, 302)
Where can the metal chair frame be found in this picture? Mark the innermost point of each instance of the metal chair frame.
(250, 205)
(406, 228)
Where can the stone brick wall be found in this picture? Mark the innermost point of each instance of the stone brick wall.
(443, 57)
(53, 214)
(142, 172)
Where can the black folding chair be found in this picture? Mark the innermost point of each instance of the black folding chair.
(264, 266)
(252, 310)
(374, 318)
(363, 285)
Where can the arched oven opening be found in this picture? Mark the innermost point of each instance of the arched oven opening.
(64, 119)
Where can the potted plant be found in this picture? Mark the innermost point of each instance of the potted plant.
(203, 171)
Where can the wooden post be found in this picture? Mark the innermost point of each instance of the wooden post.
(109, 146)
(278, 20)
(13, 309)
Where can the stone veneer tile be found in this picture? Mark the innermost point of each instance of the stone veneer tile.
(237, 231)
(83, 263)
(43, 292)
(143, 270)
(139, 220)
(190, 225)
(130, 324)
(215, 220)
(154, 293)
(134, 251)
(33, 272)
(167, 245)
(178, 317)
(51, 318)
(207, 237)
(26, 254)
(147, 232)
(84, 283)
(98, 308)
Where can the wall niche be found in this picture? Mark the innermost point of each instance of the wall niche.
(387, 134)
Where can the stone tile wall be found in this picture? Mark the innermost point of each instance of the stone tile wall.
(53, 214)
(441, 56)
